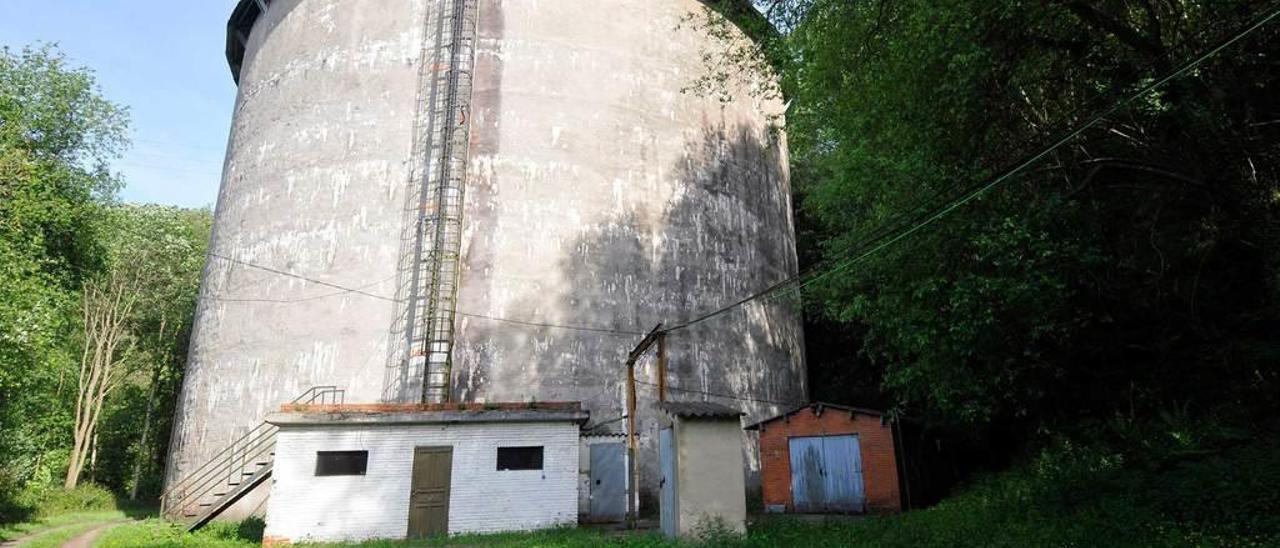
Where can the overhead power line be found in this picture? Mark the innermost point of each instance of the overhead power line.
(194, 146)
(300, 299)
(720, 395)
(557, 326)
(170, 169)
(861, 251)
(304, 278)
(882, 238)
(345, 290)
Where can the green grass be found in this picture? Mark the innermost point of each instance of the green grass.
(1213, 494)
(58, 537)
(550, 538)
(13, 531)
(1219, 495)
(52, 516)
(157, 533)
(1074, 496)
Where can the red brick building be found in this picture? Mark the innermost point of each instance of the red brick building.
(845, 461)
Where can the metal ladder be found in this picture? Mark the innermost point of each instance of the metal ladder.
(234, 472)
(442, 142)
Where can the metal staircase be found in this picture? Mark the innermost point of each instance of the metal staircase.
(234, 472)
(442, 142)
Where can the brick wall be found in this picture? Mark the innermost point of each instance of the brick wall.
(879, 459)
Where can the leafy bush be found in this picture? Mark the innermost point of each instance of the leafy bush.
(249, 530)
(1080, 495)
(48, 502)
(11, 510)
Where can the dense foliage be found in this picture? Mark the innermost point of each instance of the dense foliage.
(56, 136)
(1073, 495)
(62, 233)
(1132, 271)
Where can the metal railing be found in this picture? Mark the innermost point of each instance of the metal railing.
(241, 459)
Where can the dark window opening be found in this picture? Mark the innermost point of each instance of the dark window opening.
(341, 463)
(519, 458)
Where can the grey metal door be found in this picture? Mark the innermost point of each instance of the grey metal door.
(808, 486)
(842, 464)
(608, 482)
(429, 497)
(669, 512)
(826, 474)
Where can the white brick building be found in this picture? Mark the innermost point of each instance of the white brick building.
(354, 472)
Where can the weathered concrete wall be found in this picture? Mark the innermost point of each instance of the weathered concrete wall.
(314, 184)
(599, 196)
(602, 196)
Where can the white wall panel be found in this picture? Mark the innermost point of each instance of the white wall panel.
(376, 505)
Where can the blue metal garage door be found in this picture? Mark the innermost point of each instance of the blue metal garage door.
(826, 474)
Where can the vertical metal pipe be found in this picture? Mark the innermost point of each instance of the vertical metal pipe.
(662, 367)
(631, 444)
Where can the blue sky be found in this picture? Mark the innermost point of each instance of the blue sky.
(162, 60)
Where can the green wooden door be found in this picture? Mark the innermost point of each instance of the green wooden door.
(429, 498)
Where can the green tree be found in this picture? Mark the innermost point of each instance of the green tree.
(57, 135)
(1132, 270)
(67, 248)
(168, 244)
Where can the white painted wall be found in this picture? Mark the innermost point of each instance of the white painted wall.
(482, 499)
(711, 485)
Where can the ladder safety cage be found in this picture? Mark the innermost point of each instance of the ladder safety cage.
(442, 142)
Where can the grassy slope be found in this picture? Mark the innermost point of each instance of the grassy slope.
(1070, 496)
(1083, 497)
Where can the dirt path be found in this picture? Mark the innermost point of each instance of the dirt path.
(85, 539)
(24, 539)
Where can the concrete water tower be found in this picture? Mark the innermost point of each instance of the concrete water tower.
(486, 200)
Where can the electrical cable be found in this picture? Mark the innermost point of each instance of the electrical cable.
(877, 244)
(301, 277)
(880, 239)
(360, 291)
(718, 395)
(300, 299)
(558, 326)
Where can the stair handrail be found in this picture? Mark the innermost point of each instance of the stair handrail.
(249, 441)
(209, 476)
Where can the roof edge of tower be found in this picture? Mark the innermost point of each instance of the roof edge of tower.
(746, 17)
(239, 25)
(741, 12)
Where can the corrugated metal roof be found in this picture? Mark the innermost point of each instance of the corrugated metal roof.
(816, 406)
(699, 409)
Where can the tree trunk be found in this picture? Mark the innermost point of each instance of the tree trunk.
(93, 458)
(143, 454)
(106, 314)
